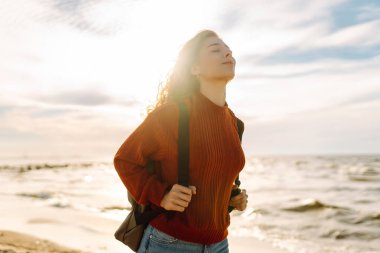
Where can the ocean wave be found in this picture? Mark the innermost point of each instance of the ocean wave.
(372, 189)
(363, 178)
(340, 234)
(111, 208)
(363, 201)
(364, 173)
(51, 198)
(41, 166)
(309, 205)
(38, 195)
(341, 188)
(370, 218)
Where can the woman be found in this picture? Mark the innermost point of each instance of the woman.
(203, 68)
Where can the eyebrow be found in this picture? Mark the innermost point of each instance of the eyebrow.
(214, 44)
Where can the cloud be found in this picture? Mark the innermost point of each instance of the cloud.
(333, 130)
(8, 135)
(82, 97)
(353, 12)
(363, 34)
(368, 12)
(79, 72)
(373, 96)
(53, 130)
(272, 92)
(292, 31)
(77, 98)
(31, 111)
(67, 5)
(307, 56)
(88, 16)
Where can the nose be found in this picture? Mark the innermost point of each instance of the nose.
(228, 53)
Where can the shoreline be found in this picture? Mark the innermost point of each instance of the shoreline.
(17, 242)
(30, 226)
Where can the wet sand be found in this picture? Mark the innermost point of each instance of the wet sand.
(27, 226)
(14, 242)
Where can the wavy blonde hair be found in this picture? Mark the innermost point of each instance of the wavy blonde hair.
(180, 83)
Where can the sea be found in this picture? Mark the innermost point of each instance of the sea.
(304, 204)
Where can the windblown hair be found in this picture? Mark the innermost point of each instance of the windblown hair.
(180, 83)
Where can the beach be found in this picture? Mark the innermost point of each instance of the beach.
(29, 227)
(297, 204)
(11, 241)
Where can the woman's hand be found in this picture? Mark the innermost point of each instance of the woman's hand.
(239, 201)
(178, 198)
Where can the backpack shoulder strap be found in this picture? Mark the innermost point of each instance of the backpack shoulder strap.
(183, 145)
(240, 127)
(183, 150)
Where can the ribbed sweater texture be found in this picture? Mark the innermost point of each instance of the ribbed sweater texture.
(215, 159)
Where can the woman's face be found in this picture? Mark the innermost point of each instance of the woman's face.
(215, 61)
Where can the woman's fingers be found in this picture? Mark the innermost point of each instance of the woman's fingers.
(241, 195)
(193, 188)
(181, 188)
(184, 193)
(181, 196)
(241, 206)
(185, 190)
(181, 202)
(173, 206)
(178, 197)
(239, 201)
(238, 197)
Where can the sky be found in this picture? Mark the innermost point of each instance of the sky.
(77, 76)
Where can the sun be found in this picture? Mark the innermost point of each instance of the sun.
(147, 48)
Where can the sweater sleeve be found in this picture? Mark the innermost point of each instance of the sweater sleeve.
(130, 161)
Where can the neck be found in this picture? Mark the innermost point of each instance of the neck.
(215, 91)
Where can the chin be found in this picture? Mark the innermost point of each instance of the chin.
(230, 76)
(225, 76)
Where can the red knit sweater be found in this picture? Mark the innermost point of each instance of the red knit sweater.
(215, 159)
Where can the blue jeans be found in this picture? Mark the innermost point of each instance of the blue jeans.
(156, 241)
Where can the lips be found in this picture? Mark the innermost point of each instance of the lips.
(228, 62)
